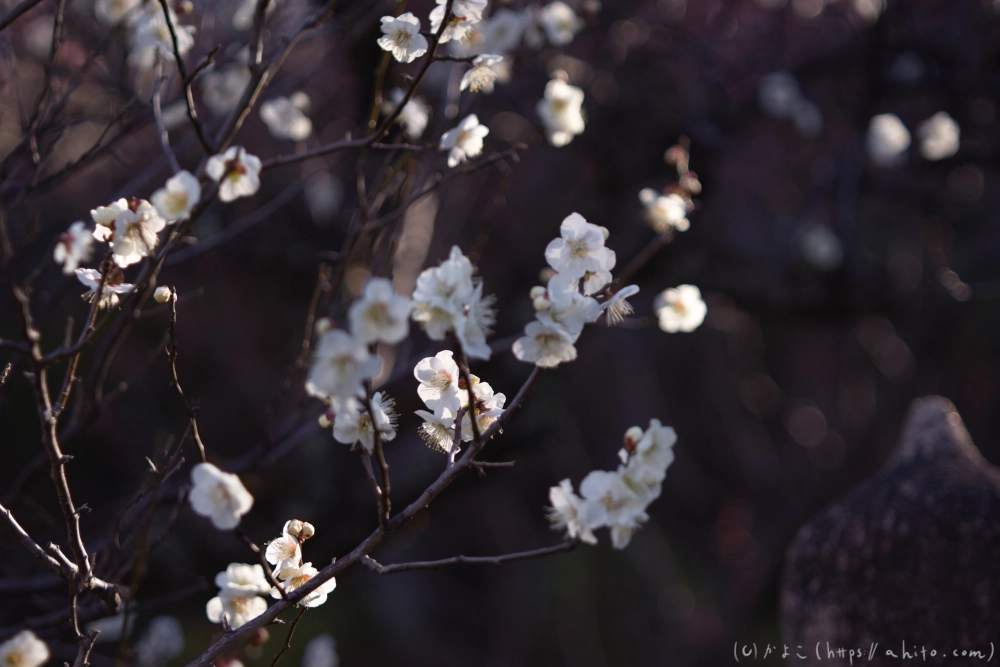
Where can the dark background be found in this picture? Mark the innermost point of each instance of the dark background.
(790, 393)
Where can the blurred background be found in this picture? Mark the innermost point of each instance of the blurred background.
(840, 286)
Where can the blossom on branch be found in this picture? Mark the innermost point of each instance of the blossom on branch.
(464, 141)
(414, 115)
(341, 364)
(465, 14)
(665, 212)
(502, 32)
(111, 12)
(439, 379)
(151, 36)
(438, 429)
(236, 171)
(238, 601)
(380, 314)
(544, 345)
(354, 425)
(401, 37)
(570, 512)
(114, 285)
(75, 247)
(617, 308)
(561, 111)
(482, 75)
(175, 200)
(219, 495)
(294, 575)
(580, 251)
(488, 408)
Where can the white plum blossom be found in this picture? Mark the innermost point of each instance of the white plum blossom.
(476, 324)
(74, 248)
(464, 141)
(321, 652)
(355, 425)
(238, 601)
(111, 12)
(219, 495)
(653, 454)
(544, 345)
(560, 23)
(439, 379)
(447, 299)
(114, 285)
(162, 642)
(105, 217)
(665, 212)
(243, 17)
(617, 307)
(939, 137)
(561, 111)
(503, 31)
(465, 14)
(680, 309)
(570, 512)
(295, 576)
(285, 119)
(380, 314)
(24, 650)
(401, 36)
(414, 115)
(482, 75)
(618, 503)
(222, 89)
(135, 232)
(489, 407)
(151, 35)
(566, 308)
(438, 429)
(887, 140)
(342, 362)
(580, 251)
(286, 547)
(236, 171)
(175, 200)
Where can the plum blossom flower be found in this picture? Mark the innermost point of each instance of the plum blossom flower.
(887, 140)
(219, 495)
(401, 36)
(380, 314)
(414, 115)
(617, 502)
(135, 232)
(476, 324)
(465, 14)
(439, 379)
(563, 306)
(175, 200)
(482, 75)
(341, 364)
(652, 455)
(561, 111)
(464, 141)
(488, 408)
(24, 650)
(544, 345)
(285, 119)
(438, 429)
(105, 217)
(446, 299)
(665, 212)
(579, 250)
(503, 31)
(355, 425)
(680, 309)
(560, 23)
(939, 137)
(162, 294)
(238, 601)
(236, 171)
(571, 512)
(286, 547)
(222, 89)
(111, 12)
(321, 652)
(114, 285)
(617, 307)
(295, 576)
(151, 35)
(75, 247)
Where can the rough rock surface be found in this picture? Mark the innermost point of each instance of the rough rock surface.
(911, 555)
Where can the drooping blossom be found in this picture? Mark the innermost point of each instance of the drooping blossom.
(438, 429)
(356, 426)
(617, 307)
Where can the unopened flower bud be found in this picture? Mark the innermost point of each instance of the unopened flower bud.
(185, 7)
(632, 438)
(604, 230)
(537, 291)
(323, 325)
(541, 303)
(690, 183)
(294, 527)
(326, 419)
(162, 294)
(307, 531)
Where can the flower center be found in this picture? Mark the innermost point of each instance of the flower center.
(577, 248)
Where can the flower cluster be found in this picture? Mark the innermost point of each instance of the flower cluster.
(616, 499)
(238, 601)
(285, 553)
(130, 226)
(219, 495)
(355, 426)
(444, 391)
(667, 211)
(447, 299)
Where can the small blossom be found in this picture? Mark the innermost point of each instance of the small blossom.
(579, 250)
(503, 31)
(105, 217)
(489, 407)
(355, 425)
(151, 35)
(342, 363)
(321, 652)
(680, 309)
(111, 12)
(240, 579)
(443, 293)
(476, 324)
(113, 286)
(438, 429)
(570, 512)
(566, 308)
(887, 140)
(414, 115)
(219, 495)
(618, 503)
(222, 89)
(665, 212)
(285, 120)
(237, 611)
(544, 345)
(464, 141)
(175, 200)
(24, 650)
(297, 576)
(439, 379)
(401, 36)
(162, 294)
(561, 111)
(286, 547)
(243, 20)
(939, 137)
(482, 75)
(162, 642)
(75, 247)
(237, 173)
(135, 232)
(465, 14)
(560, 23)
(652, 454)
(380, 314)
(617, 308)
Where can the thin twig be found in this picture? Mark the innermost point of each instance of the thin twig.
(375, 567)
(188, 96)
(288, 639)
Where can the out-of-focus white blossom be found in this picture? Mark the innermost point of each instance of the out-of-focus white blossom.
(219, 495)
(112, 628)
(544, 345)
(617, 502)
(503, 31)
(664, 212)
(236, 171)
(464, 141)
(111, 12)
(439, 379)
(151, 35)
(341, 364)
(238, 600)
(114, 285)
(175, 200)
(162, 642)
(808, 119)
(466, 13)
(887, 140)
(401, 36)
(560, 23)
(482, 75)
(285, 120)
(243, 17)
(777, 94)
(321, 652)
(222, 89)
(74, 248)
(380, 314)
(680, 309)
(295, 576)
(570, 512)
(162, 294)
(939, 137)
(414, 115)
(617, 308)
(580, 251)
(476, 324)
(105, 217)
(653, 454)
(355, 425)
(561, 111)
(821, 247)
(24, 650)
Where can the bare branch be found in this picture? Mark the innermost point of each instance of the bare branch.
(288, 639)
(375, 567)
(188, 96)
(39, 553)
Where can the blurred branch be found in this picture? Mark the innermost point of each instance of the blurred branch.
(185, 80)
(15, 13)
(375, 567)
(192, 412)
